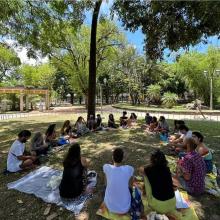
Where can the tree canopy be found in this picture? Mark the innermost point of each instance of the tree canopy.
(170, 24)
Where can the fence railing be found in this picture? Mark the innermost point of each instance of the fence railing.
(24, 115)
(172, 116)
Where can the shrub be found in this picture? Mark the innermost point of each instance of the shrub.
(169, 99)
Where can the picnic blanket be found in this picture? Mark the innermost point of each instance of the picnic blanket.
(44, 183)
(211, 185)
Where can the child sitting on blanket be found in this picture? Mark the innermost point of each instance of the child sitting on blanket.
(158, 184)
(16, 159)
(117, 195)
(191, 170)
(203, 150)
(73, 181)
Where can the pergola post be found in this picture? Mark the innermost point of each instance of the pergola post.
(26, 103)
(47, 100)
(21, 102)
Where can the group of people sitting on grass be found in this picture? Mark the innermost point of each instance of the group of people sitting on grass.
(42, 143)
(195, 159)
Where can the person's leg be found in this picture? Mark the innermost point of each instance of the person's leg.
(27, 164)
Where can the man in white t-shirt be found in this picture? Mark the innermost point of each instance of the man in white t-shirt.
(117, 195)
(16, 159)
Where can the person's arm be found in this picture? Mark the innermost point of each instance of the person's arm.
(203, 151)
(23, 158)
(85, 162)
(131, 181)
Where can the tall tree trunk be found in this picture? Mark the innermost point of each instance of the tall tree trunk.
(72, 98)
(92, 61)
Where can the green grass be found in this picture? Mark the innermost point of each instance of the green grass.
(98, 147)
(154, 108)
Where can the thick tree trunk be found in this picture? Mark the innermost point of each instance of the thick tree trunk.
(72, 98)
(92, 61)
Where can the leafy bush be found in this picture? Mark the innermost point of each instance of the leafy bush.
(169, 99)
(154, 93)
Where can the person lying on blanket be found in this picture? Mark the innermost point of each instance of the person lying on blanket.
(16, 160)
(191, 170)
(117, 195)
(158, 184)
(180, 143)
(203, 150)
(73, 181)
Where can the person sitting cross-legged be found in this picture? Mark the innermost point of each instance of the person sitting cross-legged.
(158, 184)
(123, 119)
(73, 181)
(117, 195)
(191, 170)
(16, 160)
(203, 150)
(111, 121)
(180, 143)
(38, 144)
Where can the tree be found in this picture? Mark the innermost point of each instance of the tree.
(92, 60)
(9, 61)
(170, 24)
(41, 76)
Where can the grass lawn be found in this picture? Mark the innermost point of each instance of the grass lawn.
(143, 107)
(97, 147)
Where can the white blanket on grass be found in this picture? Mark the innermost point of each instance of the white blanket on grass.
(44, 183)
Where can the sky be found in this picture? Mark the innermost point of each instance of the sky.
(136, 39)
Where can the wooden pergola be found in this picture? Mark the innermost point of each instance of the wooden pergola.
(26, 91)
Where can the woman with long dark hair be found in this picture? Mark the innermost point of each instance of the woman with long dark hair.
(73, 181)
(66, 128)
(159, 184)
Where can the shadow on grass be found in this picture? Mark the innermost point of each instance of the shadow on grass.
(98, 147)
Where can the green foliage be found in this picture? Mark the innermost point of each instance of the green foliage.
(191, 67)
(169, 99)
(170, 24)
(154, 93)
(38, 76)
(9, 61)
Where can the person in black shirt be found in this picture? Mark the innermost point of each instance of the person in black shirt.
(123, 119)
(111, 121)
(148, 119)
(158, 182)
(73, 181)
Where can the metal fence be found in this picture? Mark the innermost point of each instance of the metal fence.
(24, 115)
(171, 116)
